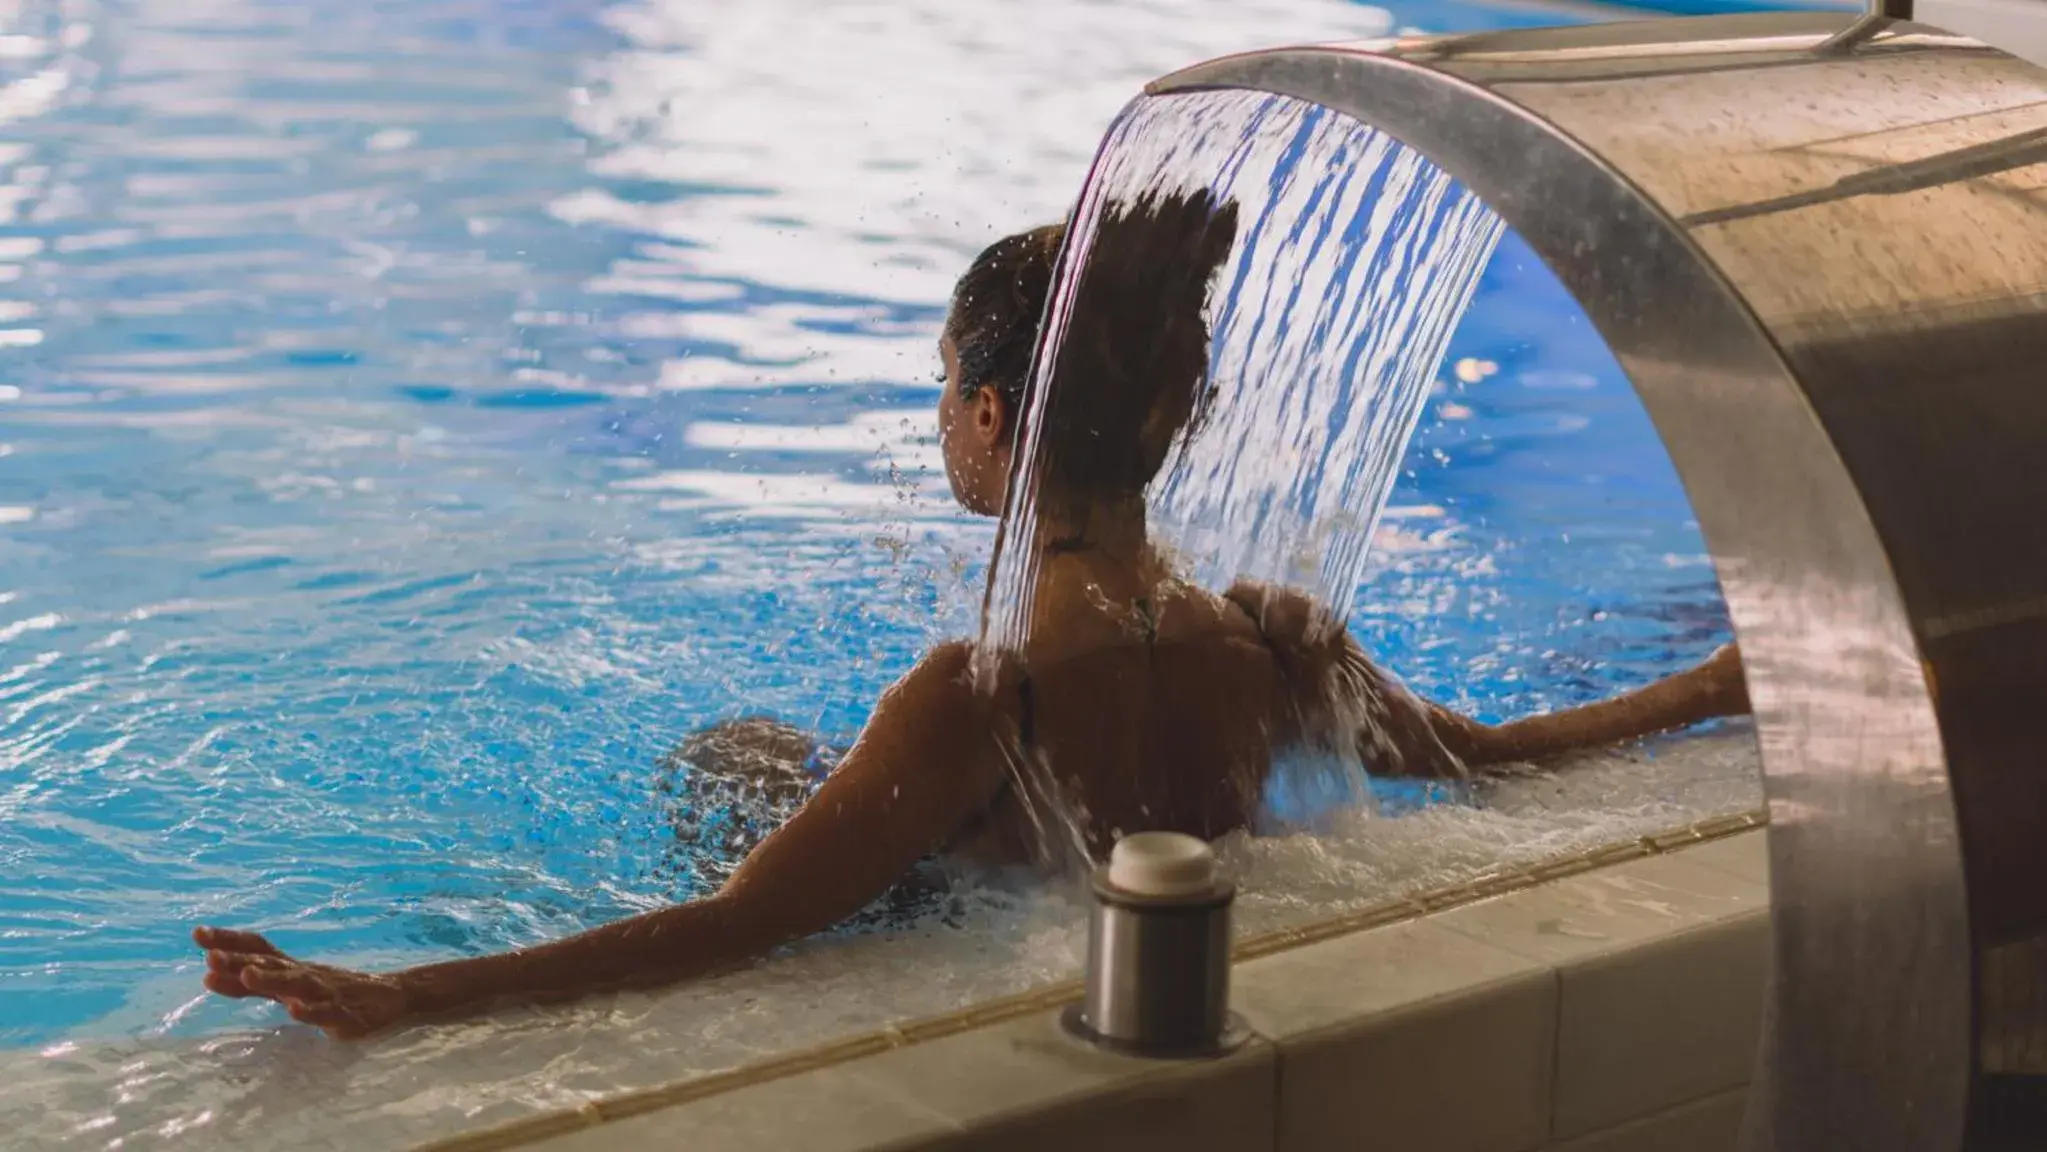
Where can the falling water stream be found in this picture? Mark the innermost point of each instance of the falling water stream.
(1353, 259)
(1355, 256)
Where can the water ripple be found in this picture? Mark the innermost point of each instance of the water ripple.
(416, 416)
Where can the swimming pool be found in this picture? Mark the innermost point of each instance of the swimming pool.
(416, 417)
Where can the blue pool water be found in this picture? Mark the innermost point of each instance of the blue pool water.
(416, 416)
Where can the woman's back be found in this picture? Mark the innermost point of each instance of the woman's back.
(1135, 713)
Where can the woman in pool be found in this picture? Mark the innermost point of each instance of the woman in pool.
(1137, 702)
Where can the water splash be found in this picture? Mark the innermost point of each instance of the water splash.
(1354, 259)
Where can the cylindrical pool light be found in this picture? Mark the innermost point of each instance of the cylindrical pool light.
(1158, 951)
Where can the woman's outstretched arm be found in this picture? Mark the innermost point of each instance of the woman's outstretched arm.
(1707, 691)
(925, 763)
(1406, 735)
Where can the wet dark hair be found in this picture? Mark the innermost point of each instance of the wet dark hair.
(1131, 369)
(1132, 364)
(997, 307)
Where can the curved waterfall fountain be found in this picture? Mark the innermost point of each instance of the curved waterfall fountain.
(1818, 245)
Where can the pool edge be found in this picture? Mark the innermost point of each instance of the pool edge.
(528, 1131)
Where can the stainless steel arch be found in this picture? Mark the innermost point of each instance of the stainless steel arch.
(1818, 245)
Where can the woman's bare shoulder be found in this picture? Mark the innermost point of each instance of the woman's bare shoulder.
(960, 683)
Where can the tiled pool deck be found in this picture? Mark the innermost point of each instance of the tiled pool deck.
(1610, 1000)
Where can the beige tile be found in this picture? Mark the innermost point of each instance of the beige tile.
(1673, 1019)
(1388, 1037)
(1466, 1073)
(1661, 965)
(1606, 911)
(1746, 855)
(1709, 1125)
(1348, 978)
(819, 1111)
(1026, 1085)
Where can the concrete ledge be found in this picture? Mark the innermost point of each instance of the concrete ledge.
(1612, 1008)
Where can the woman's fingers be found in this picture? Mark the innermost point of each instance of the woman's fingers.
(222, 958)
(243, 974)
(229, 954)
(229, 940)
(227, 984)
(322, 1014)
(235, 963)
(227, 972)
(286, 983)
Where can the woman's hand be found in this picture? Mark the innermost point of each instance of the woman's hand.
(1289, 619)
(346, 1004)
(1722, 682)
